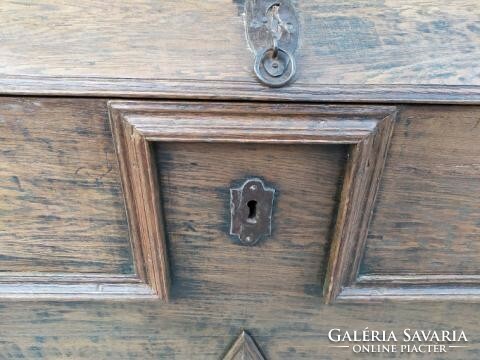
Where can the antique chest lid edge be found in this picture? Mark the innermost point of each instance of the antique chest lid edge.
(348, 51)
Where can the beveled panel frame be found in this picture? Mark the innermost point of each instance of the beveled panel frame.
(137, 124)
(244, 347)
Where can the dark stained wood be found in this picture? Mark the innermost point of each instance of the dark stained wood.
(244, 348)
(367, 128)
(362, 178)
(423, 240)
(73, 287)
(427, 220)
(408, 51)
(361, 42)
(140, 186)
(374, 288)
(288, 320)
(286, 327)
(225, 90)
(64, 241)
(63, 229)
(249, 122)
(195, 181)
(61, 205)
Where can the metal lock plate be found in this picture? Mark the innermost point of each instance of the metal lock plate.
(251, 211)
(272, 33)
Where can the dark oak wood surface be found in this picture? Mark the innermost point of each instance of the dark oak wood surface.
(427, 219)
(138, 126)
(349, 50)
(65, 247)
(195, 183)
(244, 348)
(422, 241)
(225, 90)
(205, 317)
(346, 42)
(61, 206)
(285, 327)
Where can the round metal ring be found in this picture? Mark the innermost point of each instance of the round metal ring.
(274, 81)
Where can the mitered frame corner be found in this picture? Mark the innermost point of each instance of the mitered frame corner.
(136, 125)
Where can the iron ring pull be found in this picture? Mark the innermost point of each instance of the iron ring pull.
(273, 32)
(275, 53)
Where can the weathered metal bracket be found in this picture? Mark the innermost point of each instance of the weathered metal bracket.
(272, 33)
(251, 211)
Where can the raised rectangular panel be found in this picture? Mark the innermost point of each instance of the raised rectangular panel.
(63, 229)
(178, 161)
(206, 260)
(423, 241)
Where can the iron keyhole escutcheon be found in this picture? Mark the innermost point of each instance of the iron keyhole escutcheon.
(252, 212)
(251, 207)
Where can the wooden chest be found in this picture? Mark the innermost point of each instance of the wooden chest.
(239, 180)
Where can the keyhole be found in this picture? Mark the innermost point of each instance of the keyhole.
(252, 211)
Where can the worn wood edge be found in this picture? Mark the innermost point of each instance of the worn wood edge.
(378, 153)
(79, 286)
(368, 128)
(244, 346)
(118, 135)
(413, 287)
(150, 215)
(233, 108)
(228, 90)
(74, 287)
(145, 219)
(417, 279)
(361, 181)
(366, 294)
(343, 284)
(226, 122)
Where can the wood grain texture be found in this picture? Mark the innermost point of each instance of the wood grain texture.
(244, 348)
(427, 220)
(142, 198)
(73, 287)
(367, 129)
(423, 240)
(227, 90)
(362, 178)
(195, 180)
(286, 326)
(290, 324)
(361, 43)
(63, 230)
(61, 206)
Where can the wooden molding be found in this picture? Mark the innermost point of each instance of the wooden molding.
(372, 288)
(139, 182)
(75, 287)
(362, 178)
(244, 348)
(228, 90)
(136, 124)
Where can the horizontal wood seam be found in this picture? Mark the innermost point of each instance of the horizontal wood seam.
(234, 90)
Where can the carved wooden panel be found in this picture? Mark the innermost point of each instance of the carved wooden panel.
(63, 229)
(423, 238)
(137, 124)
(206, 259)
(244, 348)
